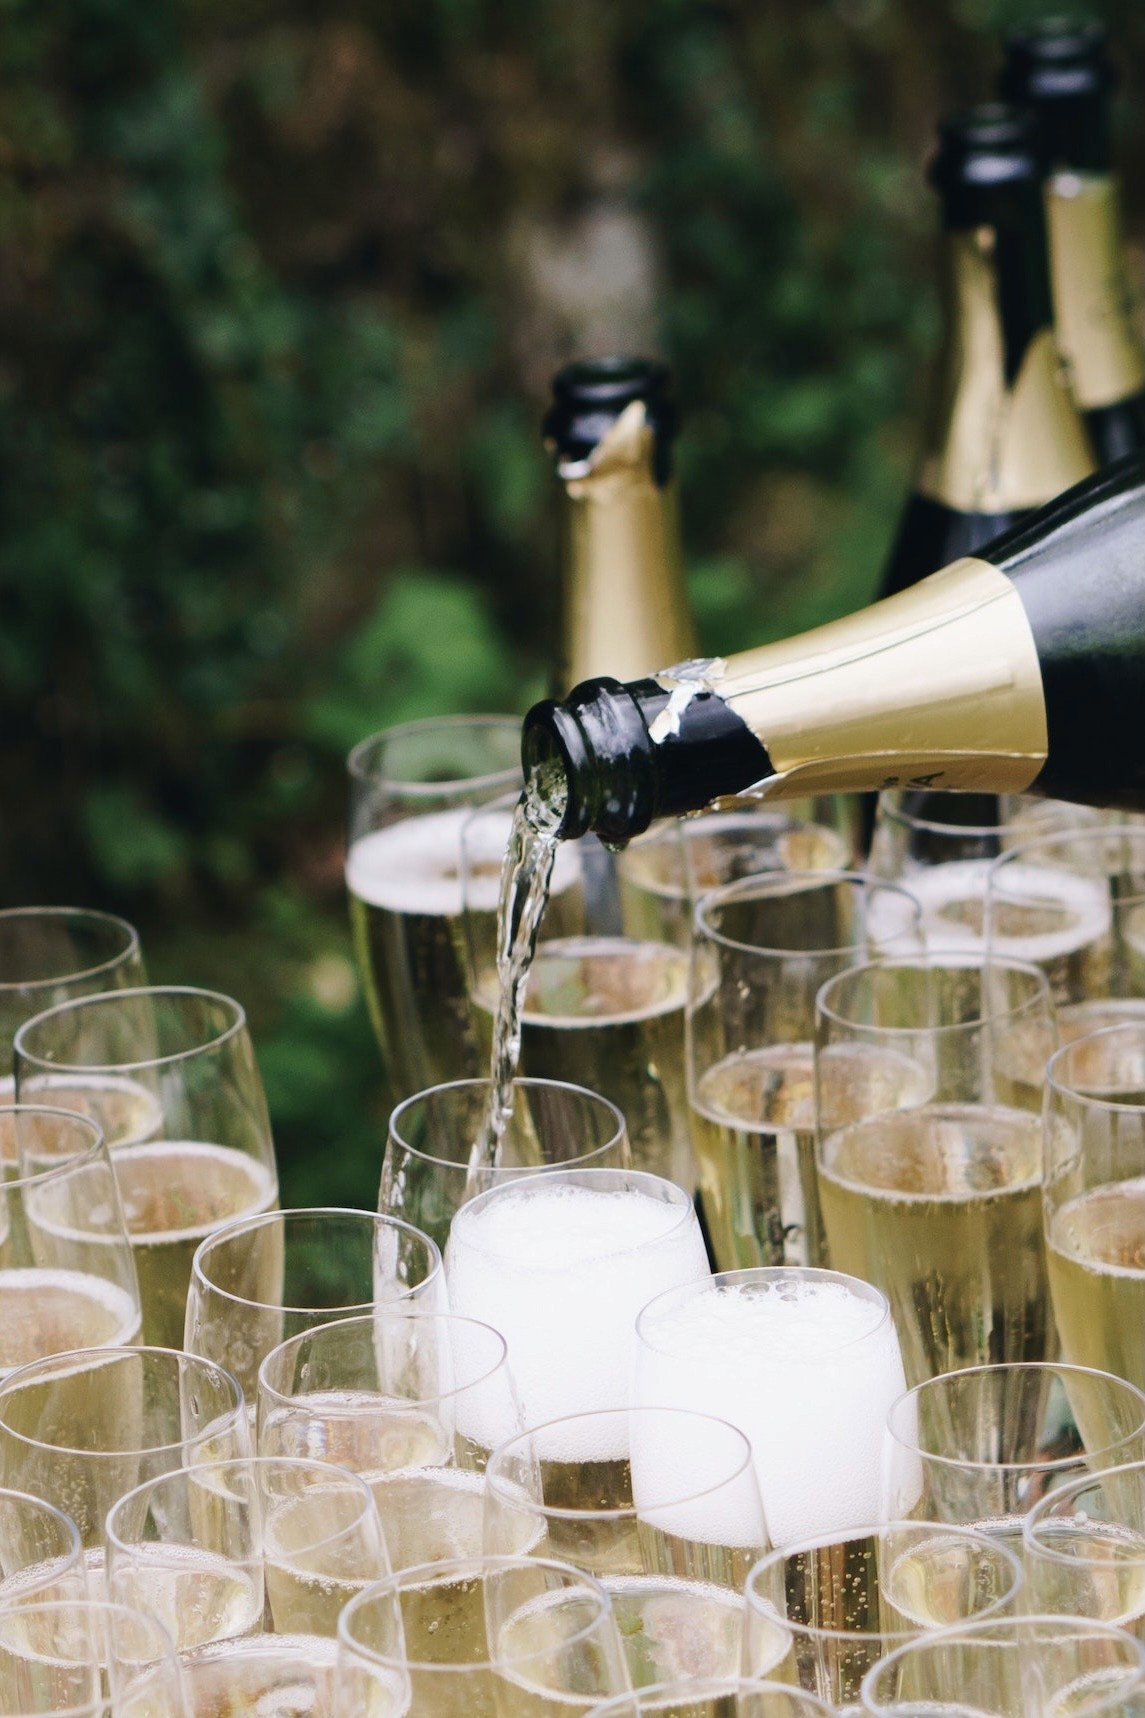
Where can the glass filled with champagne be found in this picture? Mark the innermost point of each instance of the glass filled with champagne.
(41, 1553)
(935, 1195)
(411, 789)
(170, 1075)
(716, 1697)
(662, 1506)
(426, 1171)
(762, 948)
(1084, 1545)
(86, 1658)
(1094, 1198)
(414, 1402)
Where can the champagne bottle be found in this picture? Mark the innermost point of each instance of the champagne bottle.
(1020, 667)
(1060, 69)
(610, 430)
(1003, 434)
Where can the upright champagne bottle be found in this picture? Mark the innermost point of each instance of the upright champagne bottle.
(610, 430)
(1060, 69)
(1020, 667)
(1003, 434)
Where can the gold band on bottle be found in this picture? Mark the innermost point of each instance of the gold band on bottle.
(1095, 307)
(936, 687)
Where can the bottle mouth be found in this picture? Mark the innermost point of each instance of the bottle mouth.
(551, 739)
(589, 396)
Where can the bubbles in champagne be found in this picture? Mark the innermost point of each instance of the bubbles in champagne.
(807, 1368)
(44, 1312)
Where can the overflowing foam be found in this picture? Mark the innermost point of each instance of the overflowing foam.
(416, 866)
(562, 1272)
(689, 1479)
(807, 1370)
(954, 916)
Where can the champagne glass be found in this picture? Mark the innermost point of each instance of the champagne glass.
(1075, 905)
(425, 1172)
(414, 1402)
(937, 1198)
(41, 1554)
(85, 1658)
(763, 946)
(719, 1697)
(848, 1599)
(661, 1505)
(777, 1351)
(981, 1447)
(81, 1430)
(560, 1264)
(217, 1549)
(170, 1075)
(67, 1275)
(493, 1637)
(1084, 1546)
(1028, 1667)
(262, 1279)
(603, 1009)
(1094, 1198)
(411, 789)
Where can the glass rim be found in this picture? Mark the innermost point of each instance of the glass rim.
(96, 1151)
(86, 1123)
(62, 1364)
(935, 960)
(250, 1464)
(778, 1555)
(451, 1568)
(497, 1483)
(1057, 1085)
(230, 1231)
(664, 1696)
(680, 1199)
(94, 914)
(778, 883)
(89, 1605)
(1042, 1511)
(1057, 1464)
(41, 1506)
(415, 1315)
(236, 1026)
(531, 1080)
(895, 813)
(753, 1276)
(359, 770)
(1103, 832)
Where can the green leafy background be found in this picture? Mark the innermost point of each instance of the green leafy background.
(280, 289)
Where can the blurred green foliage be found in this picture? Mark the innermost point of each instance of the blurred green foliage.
(280, 288)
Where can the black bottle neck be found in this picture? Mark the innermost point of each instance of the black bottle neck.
(590, 395)
(1060, 69)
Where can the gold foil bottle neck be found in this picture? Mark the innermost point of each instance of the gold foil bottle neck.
(1097, 312)
(625, 610)
(992, 446)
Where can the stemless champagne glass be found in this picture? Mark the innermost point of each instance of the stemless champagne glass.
(262, 1279)
(82, 1429)
(41, 1555)
(170, 1075)
(603, 1009)
(425, 1172)
(411, 789)
(561, 1264)
(937, 1198)
(982, 1446)
(805, 1362)
(1029, 1667)
(414, 1402)
(67, 1276)
(662, 1506)
(1084, 1546)
(85, 1658)
(762, 948)
(1094, 1198)
(847, 1600)
(490, 1637)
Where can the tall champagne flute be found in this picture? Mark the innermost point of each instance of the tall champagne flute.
(777, 1351)
(425, 1171)
(258, 1281)
(1084, 1545)
(414, 1402)
(1094, 1198)
(81, 1430)
(981, 1447)
(718, 1697)
(762, 948)
(846, 1600)
(170, 1075)
(411, 789)
(662, 1506)
(937, 1200)
(85, 1658)
(603, 1009)
(560, 1264)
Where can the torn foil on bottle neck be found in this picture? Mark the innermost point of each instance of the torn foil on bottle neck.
(683, 682)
